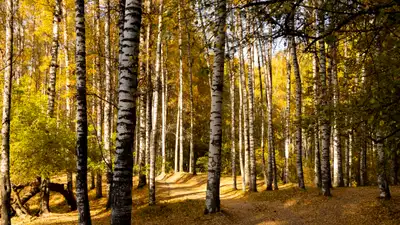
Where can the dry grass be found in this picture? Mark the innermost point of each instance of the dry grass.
(181, 201)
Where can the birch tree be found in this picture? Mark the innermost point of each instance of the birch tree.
(244, 105)
(67, 83)
(5, 183)
(325, 126)
(128, 71)
(337, 146)
(299, 90)
(156, 92)
(192, 162)
(180, 104)
(107, 104)
(272, 177)
(81, 116)
(287, 116)
(99, 102)
(250, 78)
(214, 156)
(261, 60)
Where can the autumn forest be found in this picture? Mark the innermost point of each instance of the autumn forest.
(200, 112)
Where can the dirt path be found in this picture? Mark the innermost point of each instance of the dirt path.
(181, 201)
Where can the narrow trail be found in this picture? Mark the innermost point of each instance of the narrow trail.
(180, 200)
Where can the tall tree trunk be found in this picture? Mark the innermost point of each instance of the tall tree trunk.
(51, 90)
(299, 90)
(250, 78)
(346, 175)
(287, 116)
(149, 83)
(5, 184)
(383, 181)
(363, 137)
(107, 104)
(337, 147)
(323, 114)
(214, 156)
(233, 135)
(192, 163)
(176, 158)
(156, 92)
(54, 59)
(142, 142)
(128, 71)
(316, 95)
(180, 104)
(241, 162)
(99, 90)
(81, 116)
(272, 177)
(245, 115)
(262, 62)
(164, 105)
(67, 84)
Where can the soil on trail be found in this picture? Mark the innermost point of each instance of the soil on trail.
(180, 200)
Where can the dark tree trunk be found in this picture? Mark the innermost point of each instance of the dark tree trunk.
(128, 71)
(81, 116)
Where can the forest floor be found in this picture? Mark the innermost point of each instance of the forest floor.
(180, 200)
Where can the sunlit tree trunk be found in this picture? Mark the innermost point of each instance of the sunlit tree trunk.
(180, 104)
(156, 93)
(250, 78)
(147, 7)
(346, 175)
(337, 147)
(128, 71)
(214, 156)
(99, 89)
(363, 136)
(81, 116)
(299, 90)
(287, 116)
(316, 95)
(107, 104)
(5, 184)
(241, 160)
(261, 61)
(325, 125)
(232, 105)
(164, 105)
(244, 106)
(272, 176)
(192, 163)
(67, 83)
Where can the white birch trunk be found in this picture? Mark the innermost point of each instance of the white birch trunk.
(5, 183)
(81, 116)
(128, 71)
(156, 93)
(214, 156)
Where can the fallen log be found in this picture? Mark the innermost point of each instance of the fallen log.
(68, 195)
